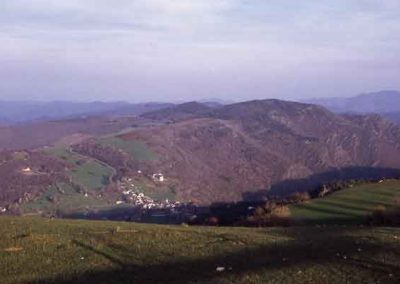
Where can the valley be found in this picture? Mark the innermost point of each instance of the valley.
(170, 165)
(189, 193)
(199, 141)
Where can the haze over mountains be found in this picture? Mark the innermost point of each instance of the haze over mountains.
(198, 116)
(206, 152)
(386, 103)
(11, 112)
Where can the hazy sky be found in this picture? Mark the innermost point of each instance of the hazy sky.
(140, 50)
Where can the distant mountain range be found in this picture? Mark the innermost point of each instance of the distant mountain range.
(12, 112)
(386, 103)
(207, 152)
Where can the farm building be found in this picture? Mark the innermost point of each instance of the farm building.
(158, 177)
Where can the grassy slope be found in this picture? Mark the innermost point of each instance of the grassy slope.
(87, 172)
(155, 191)
(349, 205)
(137, 149)
(91, 175)
(70, 200)
(63, 251)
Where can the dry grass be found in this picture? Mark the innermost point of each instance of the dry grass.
(63, 251)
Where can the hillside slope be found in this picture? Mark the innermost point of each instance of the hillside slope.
(385, 103)
(18, 111)
(378, 102)
(241, 151)
(393, 116)
(348, 206)
(64, 251)
(255, 145)
(179, 112)
(46, 133)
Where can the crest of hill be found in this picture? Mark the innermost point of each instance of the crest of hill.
(181, 111)
(220, 154)
(267, 108)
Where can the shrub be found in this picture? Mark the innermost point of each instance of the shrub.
(377, 216)
(281, 211)
(396, 201)
(298, 197)
(271, 214)
(382, 216)
(213, 221)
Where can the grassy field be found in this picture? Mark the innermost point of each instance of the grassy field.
(350, 205)
(69, 200)
(34, 250)
(156, 192)
(64, 154)
(137, 149)
(87, 172)
(91, 175)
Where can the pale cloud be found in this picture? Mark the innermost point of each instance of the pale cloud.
(97, 49)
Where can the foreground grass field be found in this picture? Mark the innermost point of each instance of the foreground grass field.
(348, 206)
(34, 250)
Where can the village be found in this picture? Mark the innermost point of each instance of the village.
(150, 210)
(132, 194)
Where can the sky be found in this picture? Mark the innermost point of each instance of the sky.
(180, 50)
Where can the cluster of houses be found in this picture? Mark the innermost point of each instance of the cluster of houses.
(131, 195)
(158, 177)
(154, 211)
(137, 199)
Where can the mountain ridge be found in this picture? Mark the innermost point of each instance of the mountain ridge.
(226, 153)
(381, 102)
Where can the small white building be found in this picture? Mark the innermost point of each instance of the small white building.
(26, 170)
(158, 177)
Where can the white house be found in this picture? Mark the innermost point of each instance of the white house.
(26, 170)
(158, 177)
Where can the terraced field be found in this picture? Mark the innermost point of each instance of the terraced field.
(350, 205)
